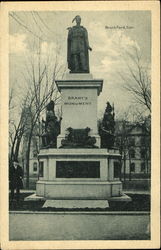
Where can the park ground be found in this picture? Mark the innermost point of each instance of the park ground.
(121, 221)
(140, 202)
(138, 188)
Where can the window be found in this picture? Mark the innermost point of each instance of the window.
(132, 167)
(143, 167)
(35, 167)
(132, 153)
(41, 168)
(116, 169)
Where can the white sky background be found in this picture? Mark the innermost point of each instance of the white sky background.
(107, 44)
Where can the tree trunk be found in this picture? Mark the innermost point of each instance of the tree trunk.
(124, 166)
(120, 168)
(17, 147)
(12, 148)
(28, 161)
(129, 167)
(146, 162)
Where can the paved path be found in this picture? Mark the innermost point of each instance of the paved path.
(79, 226)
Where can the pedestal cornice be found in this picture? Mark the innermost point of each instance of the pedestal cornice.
(86, 84)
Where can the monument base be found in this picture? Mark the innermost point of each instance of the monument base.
(123, 198)
(79, 174)
(78, 76)
(78, 190)
(76, 204)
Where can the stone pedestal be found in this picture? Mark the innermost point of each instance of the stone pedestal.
(79, 173)
(79, 104)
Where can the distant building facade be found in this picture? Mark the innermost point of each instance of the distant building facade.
(133, 141)
(33, 161)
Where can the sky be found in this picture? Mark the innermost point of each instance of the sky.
(110, 33)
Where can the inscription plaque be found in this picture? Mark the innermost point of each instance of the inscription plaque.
(77, 169)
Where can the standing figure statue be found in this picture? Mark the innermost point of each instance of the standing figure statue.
(52, 127)
(78, 46)
(108, 127)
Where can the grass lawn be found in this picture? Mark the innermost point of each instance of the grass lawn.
(140, 202)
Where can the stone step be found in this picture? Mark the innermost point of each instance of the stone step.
(76, 204)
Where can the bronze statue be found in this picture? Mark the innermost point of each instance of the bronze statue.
(107, 128)
(78, 138)
(52, 127)
(78, 46)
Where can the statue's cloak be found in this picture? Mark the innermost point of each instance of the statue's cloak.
(77, 43)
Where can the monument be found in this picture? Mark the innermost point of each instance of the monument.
(81, 167)
(78, 46)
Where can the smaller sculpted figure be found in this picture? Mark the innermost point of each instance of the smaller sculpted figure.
(52, 127)
(78, 46)
(108, 127)
(78, 138)
(15, 178)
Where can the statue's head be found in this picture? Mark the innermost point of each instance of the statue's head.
(50, 105)
(109, 107)
(77, 19)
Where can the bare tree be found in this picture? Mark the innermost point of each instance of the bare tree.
(17, 127)
(137, 78)
(121, 141)
(42, 89)
(41, 70)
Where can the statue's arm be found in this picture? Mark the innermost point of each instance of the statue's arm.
(69, 45)
(86, 39)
